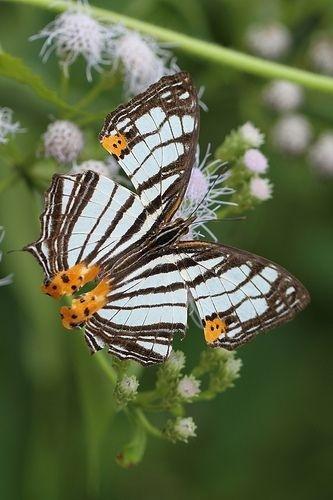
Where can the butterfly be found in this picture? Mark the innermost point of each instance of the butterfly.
(131, 243)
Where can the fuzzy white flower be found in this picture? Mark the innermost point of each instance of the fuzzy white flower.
(204, 195)
(143, 60)
(72, 34)
(321, 154)
(255, 161)
(188, 387)
(260, 188)
(321, 54)
(129, 385)
(8, 279)
(95, 165)
(184, 429)
(292, 134)
(7, 126)
(271, 40)
(251, 135)
(63, 141)
(175, 362)
(282, 95)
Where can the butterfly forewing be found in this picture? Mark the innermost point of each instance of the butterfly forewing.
(88, 218)
(154, 139)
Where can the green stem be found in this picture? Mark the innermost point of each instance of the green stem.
(200, 48)
(106, 367)
(148, 426)
(101, 359)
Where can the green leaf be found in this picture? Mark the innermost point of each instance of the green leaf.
(14, 68)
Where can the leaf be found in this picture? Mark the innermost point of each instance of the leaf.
(14, 68)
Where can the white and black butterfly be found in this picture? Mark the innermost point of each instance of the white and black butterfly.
(93, 228)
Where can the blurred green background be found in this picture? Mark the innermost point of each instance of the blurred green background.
(268, 438)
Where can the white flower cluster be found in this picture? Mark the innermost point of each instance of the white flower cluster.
(271, 40)
(282, 95)
(106, 168)
(321, 154)
(204, 194)
(188, 387)
(321, 54)
(7, 126)
(255, 162)
(180, 429)
(292, 134)
(76, 33)
(143, 61)
(63, 141)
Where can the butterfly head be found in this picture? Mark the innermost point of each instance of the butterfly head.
(69, 281)
(84, 307)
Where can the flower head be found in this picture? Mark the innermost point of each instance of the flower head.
(251, 135)
(204, 194)
(7, 126)
(292, 134)
(321, 154)
(8, 279)
(72, 34)
(96, 166)
(143, 60)
(175, 362)
(260, 188)
(126, 389)
(63, 141)
(282, 95)
(180, 429)
(255, 161)
(268, 40)
(321, 54)
(188, 387)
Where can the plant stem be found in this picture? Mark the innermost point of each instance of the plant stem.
(106, 367)
(205, 50)
(148, 426)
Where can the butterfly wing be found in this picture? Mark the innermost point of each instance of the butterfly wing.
(237, 294)
(146, 307)
(88, 218)
(154, 139)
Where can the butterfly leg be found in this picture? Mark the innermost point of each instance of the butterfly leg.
(85, 306)
(69, 281)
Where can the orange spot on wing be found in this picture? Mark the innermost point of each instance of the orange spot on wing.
(214, 326)
(85, 306)
(69, 281)
(115, 144)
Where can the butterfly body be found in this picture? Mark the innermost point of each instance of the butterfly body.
(93, 228)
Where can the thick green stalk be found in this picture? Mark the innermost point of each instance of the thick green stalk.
(199, 48)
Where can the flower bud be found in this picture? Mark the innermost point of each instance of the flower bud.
(180, 429)
(126, 390)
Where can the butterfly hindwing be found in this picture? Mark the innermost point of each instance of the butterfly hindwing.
(154, 139)
(146, 307)
(237, 294)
